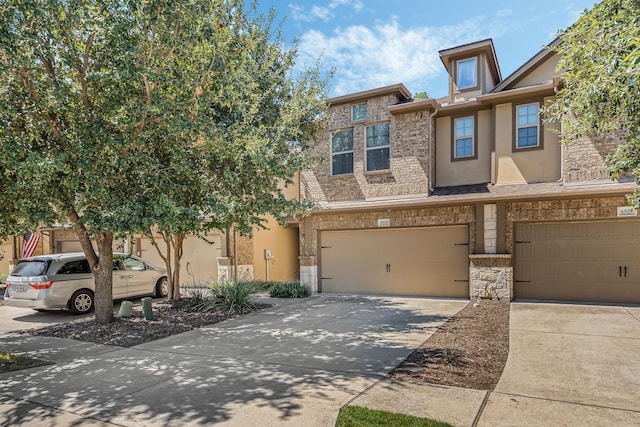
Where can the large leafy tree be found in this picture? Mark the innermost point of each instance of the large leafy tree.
(122, 115)
(601, 88)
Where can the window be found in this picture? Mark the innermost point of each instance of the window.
(133, 264)
(378, 147)
(527, 126)
(467, 73)
(463, 140)
(75, 267)
(342, 152)
(359, 112)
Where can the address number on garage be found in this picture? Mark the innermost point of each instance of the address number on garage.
(624, 211)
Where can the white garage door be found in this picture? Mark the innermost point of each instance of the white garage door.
(429, 261)
(595, 261)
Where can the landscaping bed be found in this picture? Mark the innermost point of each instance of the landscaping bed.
(169, 318)
(470, 350)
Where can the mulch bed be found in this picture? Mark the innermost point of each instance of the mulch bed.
(169, 318)
(470, 350)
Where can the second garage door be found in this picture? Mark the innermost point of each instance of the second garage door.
(430, 261)
(578, 261)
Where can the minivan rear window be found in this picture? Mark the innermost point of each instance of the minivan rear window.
(26, 268)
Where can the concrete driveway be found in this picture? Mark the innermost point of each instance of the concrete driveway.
(569, 365)
(16, 319)
(294, 364)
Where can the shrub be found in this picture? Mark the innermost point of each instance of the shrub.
(234, 297)
(228, 297)
(289, 290)
(194, 297)
(3, 277)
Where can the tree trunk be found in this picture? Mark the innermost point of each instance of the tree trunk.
(103, 276)
(102, 267)
(177, 241)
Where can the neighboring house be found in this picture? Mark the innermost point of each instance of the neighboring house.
(466, 196)
(269, 254)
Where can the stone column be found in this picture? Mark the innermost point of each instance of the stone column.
(309, 273)
(491, 276)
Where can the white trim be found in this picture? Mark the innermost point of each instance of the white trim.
(537, 125)
(456, 137)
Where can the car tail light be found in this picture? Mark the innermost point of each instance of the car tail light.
(41, 285)
(8, 284)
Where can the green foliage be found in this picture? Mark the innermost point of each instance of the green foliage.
(601, 92)
(289, 290)
(195, 297)
(226, 297)
(121, 116)
(3, 278)
(10, 362)
(356, 416)
(421, 95)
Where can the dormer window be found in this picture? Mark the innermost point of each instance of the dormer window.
(467, 73)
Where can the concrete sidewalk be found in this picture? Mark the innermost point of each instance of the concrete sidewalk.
(294, 364)
(299, 362)
(568, 365)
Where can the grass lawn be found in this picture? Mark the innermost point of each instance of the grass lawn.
(14, 362)
(356, 416)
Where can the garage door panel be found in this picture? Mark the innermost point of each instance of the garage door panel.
(578, 261)
(429, 261)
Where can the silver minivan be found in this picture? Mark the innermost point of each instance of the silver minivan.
(64, 281)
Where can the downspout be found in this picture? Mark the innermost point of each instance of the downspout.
(432, 143)
(556, 89)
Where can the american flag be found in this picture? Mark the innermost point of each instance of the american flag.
(29, 243)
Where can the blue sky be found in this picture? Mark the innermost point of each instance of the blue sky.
(378, 43)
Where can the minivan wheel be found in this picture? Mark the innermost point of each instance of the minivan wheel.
(81, 302)
(162, 288)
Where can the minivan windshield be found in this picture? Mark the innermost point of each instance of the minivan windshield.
(26, 268)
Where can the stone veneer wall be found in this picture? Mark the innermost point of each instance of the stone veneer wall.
(491, 276)
(557, 210)
(584, 157)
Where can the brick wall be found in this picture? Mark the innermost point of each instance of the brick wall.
(556, 210)
(408, 174)
(464, 214)
(584, 158)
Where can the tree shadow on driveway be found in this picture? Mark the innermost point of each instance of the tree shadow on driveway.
(292, 364)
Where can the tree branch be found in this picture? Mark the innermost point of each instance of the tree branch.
(86, 101)
(85, 241)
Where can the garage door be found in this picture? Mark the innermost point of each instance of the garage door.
(432, 261)
(578, 261)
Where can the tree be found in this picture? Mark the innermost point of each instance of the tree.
(601, 88)
(252, 121)
(122, 115)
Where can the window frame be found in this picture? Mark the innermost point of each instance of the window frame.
(476, 84)
(340, 153)
(353, 109)
(378, 147)
(540, 128)
(455, 138)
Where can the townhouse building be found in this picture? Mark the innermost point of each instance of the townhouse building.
(471, 195)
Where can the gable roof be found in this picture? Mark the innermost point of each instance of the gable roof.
(482, 46)
(398, 89)
(527, 67)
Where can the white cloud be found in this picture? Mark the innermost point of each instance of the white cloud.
(385, 54)
(321, 13)
(298, 13)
